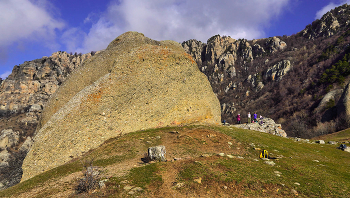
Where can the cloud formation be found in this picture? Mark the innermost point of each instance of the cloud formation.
(5, 74)
(26, 20)
(181, 20)
(329, 7)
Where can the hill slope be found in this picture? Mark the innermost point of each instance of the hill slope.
(309, 170)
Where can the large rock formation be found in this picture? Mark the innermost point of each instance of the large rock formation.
(136, 83)
(33, 82)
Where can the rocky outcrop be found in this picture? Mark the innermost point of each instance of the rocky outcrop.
(329, 24)
(268, 126)
(325, 27)
(33, 82)
(195, 49)
(8, 138)
(136, 83)
(275, 44)
(330, 97)
(277, 71)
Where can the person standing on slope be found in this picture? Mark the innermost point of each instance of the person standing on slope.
(249, 118)
(255, 117)
(238, 119)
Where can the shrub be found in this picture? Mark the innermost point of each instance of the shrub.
(324, 128)
(90, 181)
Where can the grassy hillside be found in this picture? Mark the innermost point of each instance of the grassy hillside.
(304, 169)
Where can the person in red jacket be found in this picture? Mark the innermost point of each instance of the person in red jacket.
(238, 119)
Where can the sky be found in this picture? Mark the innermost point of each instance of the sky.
(31, 29)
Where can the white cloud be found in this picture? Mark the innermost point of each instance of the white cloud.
(181, 20)
(5, 74)
(27, 20)
(329, 7)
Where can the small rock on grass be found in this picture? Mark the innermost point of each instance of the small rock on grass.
(221, 154)
(296, 183)
(128, 187)
(271, 163)
(179, 185)
(205, 155)
(294, 192)
(199, 180)
(230, 156)
(138, 189)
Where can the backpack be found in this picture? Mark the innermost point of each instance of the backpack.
(264, 154)
(342, 147)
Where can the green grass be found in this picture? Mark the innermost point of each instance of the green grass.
(338, 136)
(321, 170)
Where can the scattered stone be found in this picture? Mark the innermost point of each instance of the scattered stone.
(320, 141)
(230, 156)
(158, 137)
(240, 157)
(277, 172)
(157, 153)
(138, 189)
(294, 192)
(257, 149)
(131, 192)
(199, 180)
(332, 142)
(211, 135)
(225, 187)
(127, 187)
(315, 161)
(230, 143)
(221, 154)
(271, 163)
(205, 155)
(296, 183)
(179, 185)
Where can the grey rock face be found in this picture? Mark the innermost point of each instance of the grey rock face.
(8, 138)
(277, 71)
(274, 44)
(157, 153)
(325, 27)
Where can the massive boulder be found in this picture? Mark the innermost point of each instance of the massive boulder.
(135, 84)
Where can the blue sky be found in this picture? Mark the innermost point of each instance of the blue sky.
(31, 29)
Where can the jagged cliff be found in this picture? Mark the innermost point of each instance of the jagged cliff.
(283, 78)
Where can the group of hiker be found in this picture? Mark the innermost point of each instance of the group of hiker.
(255, 117)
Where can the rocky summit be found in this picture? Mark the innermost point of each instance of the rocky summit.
(134, 84)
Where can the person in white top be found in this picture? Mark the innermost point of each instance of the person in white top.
(249, 118)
